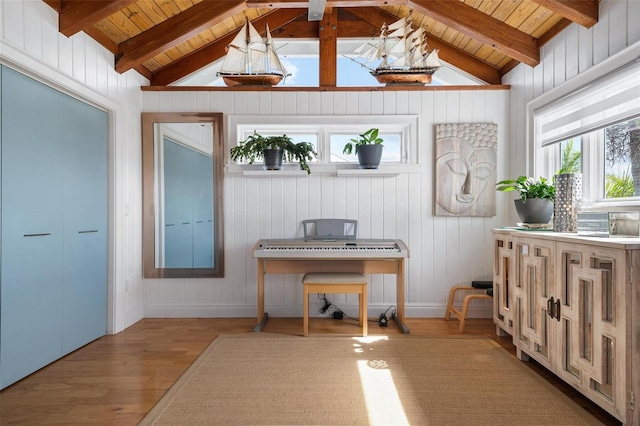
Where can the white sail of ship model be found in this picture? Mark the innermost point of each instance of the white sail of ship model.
(404, 54)
(252, 60)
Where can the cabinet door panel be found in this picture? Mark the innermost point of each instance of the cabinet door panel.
(504, 274)
(593, 316)
(534, 297)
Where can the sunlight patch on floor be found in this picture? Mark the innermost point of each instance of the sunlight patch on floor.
(383, 402)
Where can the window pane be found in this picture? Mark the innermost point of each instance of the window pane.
(390, 154)
(622, 159)
(571, 156)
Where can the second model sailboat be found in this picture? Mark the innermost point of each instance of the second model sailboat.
(404, 54)
(252, 60)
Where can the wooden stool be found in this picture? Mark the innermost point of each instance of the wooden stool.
(475, 285)
(335, 283)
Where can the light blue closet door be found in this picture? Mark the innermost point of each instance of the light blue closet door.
(85, 224)
(32, 214)
(54, 189)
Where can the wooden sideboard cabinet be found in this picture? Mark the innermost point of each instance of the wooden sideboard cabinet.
(572, 303)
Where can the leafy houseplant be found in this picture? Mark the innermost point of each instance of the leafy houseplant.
(528, 188)
(535, 205)
(257, 146)
(368, 147)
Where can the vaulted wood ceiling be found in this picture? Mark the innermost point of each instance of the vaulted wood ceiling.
(166, 40)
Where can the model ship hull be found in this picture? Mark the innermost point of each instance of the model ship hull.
(411, 76)
(251, 79)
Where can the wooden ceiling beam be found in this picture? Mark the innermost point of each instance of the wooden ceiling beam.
(458, 58)
(484, 28)
(217, 49)
(76, 15)
(582, 12)
(296, 4)
(328, 50)
(309, 30)
(174, 31)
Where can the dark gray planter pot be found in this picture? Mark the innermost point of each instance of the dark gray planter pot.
(273, 159)
(534, 210)
(369, 156)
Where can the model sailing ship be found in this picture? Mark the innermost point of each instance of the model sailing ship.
(252, 60)
(406, 57)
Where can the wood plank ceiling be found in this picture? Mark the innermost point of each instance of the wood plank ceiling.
(166, 40)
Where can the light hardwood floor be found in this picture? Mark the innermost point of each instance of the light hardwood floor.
(117, 379)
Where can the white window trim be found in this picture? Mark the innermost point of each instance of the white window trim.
(324, 126)
(545, 162)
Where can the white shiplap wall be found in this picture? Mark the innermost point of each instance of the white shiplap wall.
(565, 57)
(30, 42)
(444, 251)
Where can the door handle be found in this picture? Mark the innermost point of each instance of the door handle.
(550, 307)
(557, 309)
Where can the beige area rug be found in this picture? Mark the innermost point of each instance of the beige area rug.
(290, 380)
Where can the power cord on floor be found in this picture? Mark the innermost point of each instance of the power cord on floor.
(332, 309)
(339, 314)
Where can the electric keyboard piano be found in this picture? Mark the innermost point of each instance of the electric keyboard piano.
(365, 256)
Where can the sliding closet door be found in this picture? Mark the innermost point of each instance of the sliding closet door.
(32, 259)
(85, 224)
(54, 189)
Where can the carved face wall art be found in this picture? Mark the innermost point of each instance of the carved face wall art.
(466, 156)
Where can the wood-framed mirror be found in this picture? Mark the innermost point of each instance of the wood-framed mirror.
(182, 172)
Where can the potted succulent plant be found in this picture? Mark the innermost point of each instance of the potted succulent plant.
(368, 147)
(535, 205)
(273, 149)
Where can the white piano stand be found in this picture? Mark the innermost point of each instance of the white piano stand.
(355, 256)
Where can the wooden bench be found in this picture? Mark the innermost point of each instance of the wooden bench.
(335, 283)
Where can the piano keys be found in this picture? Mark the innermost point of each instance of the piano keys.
(330, 248)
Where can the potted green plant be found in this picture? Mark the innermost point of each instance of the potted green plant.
(535, 204)
(273, 149)
(368, 146)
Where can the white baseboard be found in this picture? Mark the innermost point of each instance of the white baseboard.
(411, 311)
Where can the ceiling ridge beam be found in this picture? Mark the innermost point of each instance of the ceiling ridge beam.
(448, 52)
(174, 31)
(76, 15)
(296, 4)
(582, 12)
(484, 28)
(217, 49)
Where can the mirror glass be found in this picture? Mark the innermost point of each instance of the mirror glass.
(182, 195)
